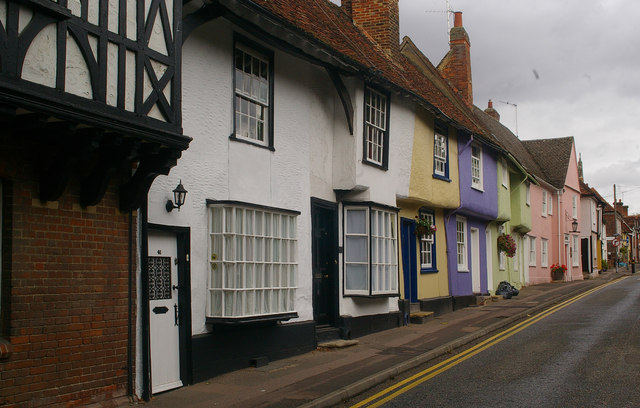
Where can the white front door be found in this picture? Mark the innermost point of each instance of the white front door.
(163, 303)
(475, 260)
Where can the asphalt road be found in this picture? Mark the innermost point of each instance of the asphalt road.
(586, 354)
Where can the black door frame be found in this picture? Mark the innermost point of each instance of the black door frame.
(317, 203)
(183, 242)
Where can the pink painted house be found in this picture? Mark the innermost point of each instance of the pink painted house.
(555, 210)
(542, 239)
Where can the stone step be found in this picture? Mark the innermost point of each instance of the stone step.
(420, 317)
(326, 334)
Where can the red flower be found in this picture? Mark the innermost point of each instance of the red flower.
(507, 245)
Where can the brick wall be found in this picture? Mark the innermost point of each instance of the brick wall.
(456, 65)
(68, 275)
(380, 19)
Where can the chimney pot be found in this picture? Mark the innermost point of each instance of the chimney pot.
(492, 112)
(457, 19)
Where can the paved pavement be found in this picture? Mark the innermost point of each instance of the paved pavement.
(325, 377)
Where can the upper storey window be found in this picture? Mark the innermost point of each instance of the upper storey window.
(376, 128)
(440, 154)
(253, 95)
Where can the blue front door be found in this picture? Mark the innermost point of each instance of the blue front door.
(409, 260)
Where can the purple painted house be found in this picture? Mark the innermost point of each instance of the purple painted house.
(477, 165)
(466, 225)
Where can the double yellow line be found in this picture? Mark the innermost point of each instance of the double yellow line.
(417, 379)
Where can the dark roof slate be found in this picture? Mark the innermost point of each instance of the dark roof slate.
(552, 156)
(510, 142)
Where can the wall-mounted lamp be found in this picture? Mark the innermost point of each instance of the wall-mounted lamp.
(179, 195)
(574, 225)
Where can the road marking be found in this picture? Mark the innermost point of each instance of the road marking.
(417, 379)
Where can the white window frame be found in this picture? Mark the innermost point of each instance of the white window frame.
(549, 204)
(354, 261)
(381, 235)
(532, 251)
(516, 261)
(462, 245)
(376, 121)
(574, 203)
(502, 257)
(544, 249)
(476, 167)
(440, 154)
(528, 195)
(252, 261)
(575, 261)
(544, 203)
(505, 174)
(252, 96)
(427, 244)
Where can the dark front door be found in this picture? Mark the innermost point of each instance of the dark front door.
(586, 255)
(409, 259)
(324, 230)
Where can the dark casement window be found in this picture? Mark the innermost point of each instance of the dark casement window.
(376, 128)
(428, 246)
(370, 250)
(441, 153)
(253, 99)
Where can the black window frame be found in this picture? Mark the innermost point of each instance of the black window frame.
(246, 43)
(365, 126)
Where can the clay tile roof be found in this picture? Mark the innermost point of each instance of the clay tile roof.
(552, 156)
(330, 27)
(585, 190)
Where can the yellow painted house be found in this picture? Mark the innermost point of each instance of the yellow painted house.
(433, 189)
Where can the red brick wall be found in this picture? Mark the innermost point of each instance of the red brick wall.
(456, 65)
(378, 18)
(68, 276)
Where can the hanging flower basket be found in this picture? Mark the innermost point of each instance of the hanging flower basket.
(507, 245)
(557, 271)
(424, 228)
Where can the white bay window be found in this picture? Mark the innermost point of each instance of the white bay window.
(370, 251)
(253, 266)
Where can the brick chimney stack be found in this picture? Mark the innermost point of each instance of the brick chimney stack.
(492, 112)
(623, 209)
(456, 65)
(380, 19)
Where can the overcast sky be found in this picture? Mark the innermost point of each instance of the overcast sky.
(571, 66)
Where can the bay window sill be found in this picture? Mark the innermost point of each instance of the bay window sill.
(245, 320)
